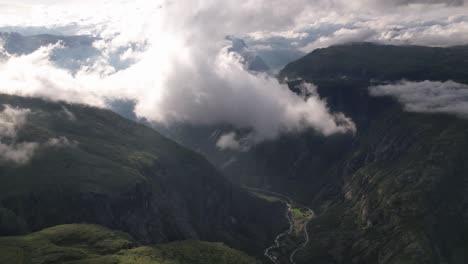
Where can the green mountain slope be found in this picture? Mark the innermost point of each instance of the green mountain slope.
(80, 244)
(125, 176)
(401, 195)
(366, 61)
(396, 192)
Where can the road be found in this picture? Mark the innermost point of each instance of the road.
(277, 244)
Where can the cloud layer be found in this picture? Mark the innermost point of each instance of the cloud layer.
(12, 120)
(428, 97)
(181, 71)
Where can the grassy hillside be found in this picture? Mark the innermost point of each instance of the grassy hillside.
(86, 244)
(124, 176)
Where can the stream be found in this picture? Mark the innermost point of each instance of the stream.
(277, 242)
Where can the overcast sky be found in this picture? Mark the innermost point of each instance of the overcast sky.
(299, 24)
(181, 70)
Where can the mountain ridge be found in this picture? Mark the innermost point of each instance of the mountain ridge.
(396, 194)
(124, 176)
(370, 61)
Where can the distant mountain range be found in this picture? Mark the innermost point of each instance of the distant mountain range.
(77, 51)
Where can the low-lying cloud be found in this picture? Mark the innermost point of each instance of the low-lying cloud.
(230, 141)
(172, 60)
(428, 97)
(12, 119)
(61, 142)
(181, 71)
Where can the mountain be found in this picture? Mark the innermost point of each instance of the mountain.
(251, 60)
(367, 61)
(396, 192)
(18, 44)
(95, 244)
(398, 196)
(64, 164)
(76, 52)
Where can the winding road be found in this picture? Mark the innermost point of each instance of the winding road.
(288, 201)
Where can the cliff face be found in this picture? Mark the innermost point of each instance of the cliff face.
(396, 193)
(92, 166)
(398, 197)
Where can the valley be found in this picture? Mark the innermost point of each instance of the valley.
(382, 194)
(296, 237)
(392, 191)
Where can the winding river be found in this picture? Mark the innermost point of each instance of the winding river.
(277, 243)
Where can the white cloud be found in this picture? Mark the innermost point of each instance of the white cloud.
(61, 142)
(340, 36)
(18, 153)
(12, 119)
(428, 97)
(169, 57)
(431, 23)
(35, 75)
(229, 141)
(180, 69)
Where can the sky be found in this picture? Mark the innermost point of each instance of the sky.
(177, 64)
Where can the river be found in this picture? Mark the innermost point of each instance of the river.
(277, 242)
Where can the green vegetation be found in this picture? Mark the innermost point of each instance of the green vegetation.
(300, 217)
(297, 212)
(292, 239)
(394, 193)
(125, 176)
(265, 197)
(91, 244)
(367, 61)
(403, 191)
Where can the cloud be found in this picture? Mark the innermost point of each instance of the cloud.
(68, 114)
(431, 23)
(61, 142)
(12, 119)
(341, 36)
(446, 2)
(172, 60)
(18, 153)
(35, 74)
(179, 70)
(428, 97)
(229, 141)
